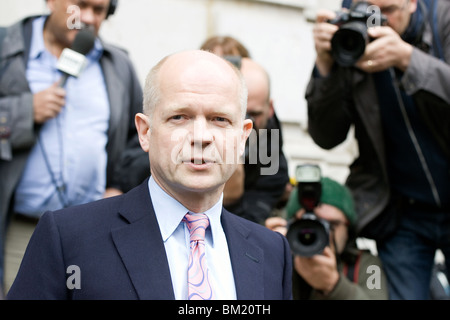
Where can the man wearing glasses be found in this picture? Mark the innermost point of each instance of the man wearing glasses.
(397, 97)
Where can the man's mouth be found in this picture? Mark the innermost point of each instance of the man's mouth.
(200, 161)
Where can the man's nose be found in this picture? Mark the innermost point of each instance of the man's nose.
(88, 16)
(202, 133)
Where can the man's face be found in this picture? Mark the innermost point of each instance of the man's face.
(259, 108)
(398, 12)
(259, 104)
(66, 15)
(197, 130)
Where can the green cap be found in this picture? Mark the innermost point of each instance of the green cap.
(333, 193)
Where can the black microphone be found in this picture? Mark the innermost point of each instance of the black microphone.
(73, 60)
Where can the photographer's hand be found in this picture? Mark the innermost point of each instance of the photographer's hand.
(277, 224)
(319, 271)
(386, 50)
(322, 33)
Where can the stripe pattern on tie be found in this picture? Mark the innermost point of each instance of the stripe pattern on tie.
(199, 287)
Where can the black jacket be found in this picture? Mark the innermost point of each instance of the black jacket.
(347, 97)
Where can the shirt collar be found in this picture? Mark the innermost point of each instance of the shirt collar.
(38, 46)
(37, 38)
(169, 212)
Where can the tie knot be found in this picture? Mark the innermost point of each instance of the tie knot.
(197, 224)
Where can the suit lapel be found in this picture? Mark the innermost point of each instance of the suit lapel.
(141, 247)
(247, 259)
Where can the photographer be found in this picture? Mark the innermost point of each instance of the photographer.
(341, 271)
(397, 97)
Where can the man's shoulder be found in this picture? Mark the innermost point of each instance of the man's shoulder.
(115, 49)
(116, 53)
(86, 214)
(101, 213)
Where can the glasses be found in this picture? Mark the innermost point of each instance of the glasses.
(393, 8)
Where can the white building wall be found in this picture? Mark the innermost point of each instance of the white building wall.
(278, 34)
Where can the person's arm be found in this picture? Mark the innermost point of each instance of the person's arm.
(118, 173)
(422, 71)
(17, 125)
(426, 72)
(327, 94)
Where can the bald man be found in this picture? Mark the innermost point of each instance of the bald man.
(137, 245)
(259, 185)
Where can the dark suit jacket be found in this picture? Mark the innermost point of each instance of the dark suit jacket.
(117, 246)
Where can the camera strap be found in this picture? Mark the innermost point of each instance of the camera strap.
(414, 140)
(351, 271)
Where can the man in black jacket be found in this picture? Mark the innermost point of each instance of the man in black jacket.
(398, 99)
(262, 180)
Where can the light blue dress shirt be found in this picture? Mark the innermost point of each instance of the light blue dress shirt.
(74, 142)
(169, 213)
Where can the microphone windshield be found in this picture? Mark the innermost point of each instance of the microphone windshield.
(84, 41)
(73, 60)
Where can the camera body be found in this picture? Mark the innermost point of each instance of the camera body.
(349, 41)
(310, 234)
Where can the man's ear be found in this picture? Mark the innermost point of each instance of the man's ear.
(143, 129)
(271, 108)
(50, 5)
(246, 130)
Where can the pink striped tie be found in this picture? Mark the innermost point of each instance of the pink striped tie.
(199, 287)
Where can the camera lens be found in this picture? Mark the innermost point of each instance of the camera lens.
(308, 236)
(349, 42)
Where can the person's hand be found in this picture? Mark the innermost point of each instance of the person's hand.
(387, 49)
(277, 224)
(323, 33)
(112, 192)
(319, 271)
(48, 103)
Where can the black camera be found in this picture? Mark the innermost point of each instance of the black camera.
(310, 234)
(349, 41)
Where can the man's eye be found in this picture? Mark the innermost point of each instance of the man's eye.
(177, 117)
(222, 121)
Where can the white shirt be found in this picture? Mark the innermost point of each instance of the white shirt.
(169, 213)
